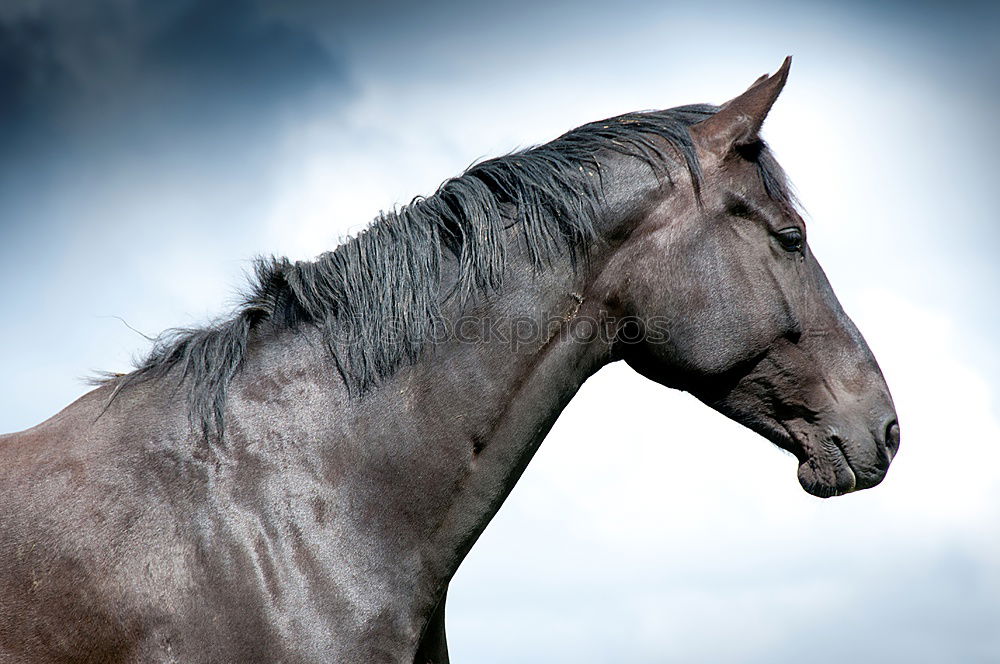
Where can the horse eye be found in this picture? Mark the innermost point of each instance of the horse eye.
(790, 239)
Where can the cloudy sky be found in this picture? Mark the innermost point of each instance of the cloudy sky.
(148, 149)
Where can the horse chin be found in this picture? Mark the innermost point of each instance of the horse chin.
(825, 478)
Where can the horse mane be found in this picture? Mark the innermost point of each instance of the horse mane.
(375, 298)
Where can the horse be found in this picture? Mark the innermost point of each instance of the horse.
(299, 482)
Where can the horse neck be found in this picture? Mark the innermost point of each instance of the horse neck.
(425, 458)
(471, 414)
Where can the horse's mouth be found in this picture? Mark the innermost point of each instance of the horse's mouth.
(829, 465)
(827, 471)
(824, 469)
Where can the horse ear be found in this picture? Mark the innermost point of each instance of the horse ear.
(739, 120)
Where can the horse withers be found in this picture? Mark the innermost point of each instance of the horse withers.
(300, 482)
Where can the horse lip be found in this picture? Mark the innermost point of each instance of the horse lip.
(838, 444)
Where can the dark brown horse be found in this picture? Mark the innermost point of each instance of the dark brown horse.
(300, 482)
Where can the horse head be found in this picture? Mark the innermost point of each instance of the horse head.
(725, 299)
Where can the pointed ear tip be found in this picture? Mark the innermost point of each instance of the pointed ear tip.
(785, 66)
(781, 75)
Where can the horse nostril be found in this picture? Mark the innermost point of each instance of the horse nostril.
(892, 438)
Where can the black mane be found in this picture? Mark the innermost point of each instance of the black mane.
(381, 290)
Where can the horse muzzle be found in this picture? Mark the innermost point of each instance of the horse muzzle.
(845, 459)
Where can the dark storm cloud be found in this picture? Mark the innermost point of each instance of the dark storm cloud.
(232, 53)
(71, 69)
(31, 77)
